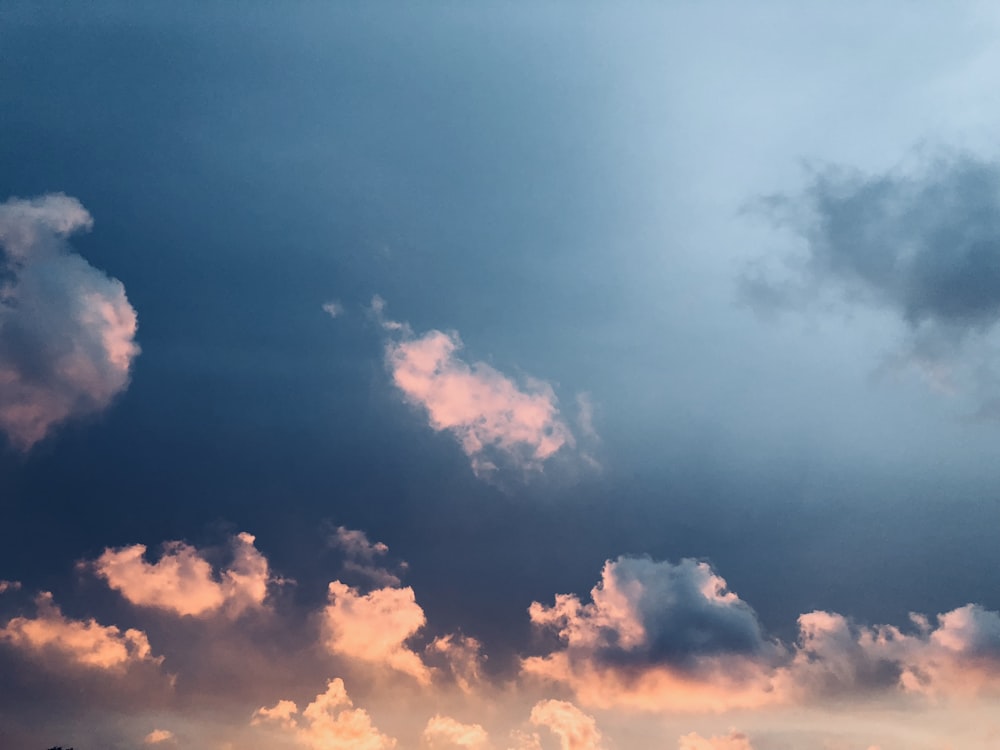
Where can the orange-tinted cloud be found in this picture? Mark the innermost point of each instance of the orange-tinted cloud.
(575, 729)
(82, 642)
(330, 722)
(462, 657)
(67, 330)
(183, 582)
(494, 418)
(732, 741)
(445, 732)
(375, 627)
(158, 736)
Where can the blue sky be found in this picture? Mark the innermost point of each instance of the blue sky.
(706, 282)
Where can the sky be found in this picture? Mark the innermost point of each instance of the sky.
(499, 376)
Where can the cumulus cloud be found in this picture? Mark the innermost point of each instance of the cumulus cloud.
(575, 729)
(82, 642)
(67, 330)
(330, 722)
(362, 557)
(157, 736)
(496, 420)
(732, 741)
(375, 627)
(183, 581)
(657, 635)
(446, 732)
(923, 244)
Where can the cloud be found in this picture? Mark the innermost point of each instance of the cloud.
(9, 586)
(496, 420)
(663, 637)
(82, 642)
(333, 308)
(183, 582)
(375, 627)
(157, 736)
(732, 741)
(923, 244)
(575, 729)
(657, 635)
(446, 732)
(328, 723)
(362, 555)
(463, 658)
(67, 330)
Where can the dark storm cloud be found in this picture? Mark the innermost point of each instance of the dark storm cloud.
(926, 245)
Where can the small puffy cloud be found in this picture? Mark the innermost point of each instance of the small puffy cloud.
(157, 736)
(446, 732)
(67, 330)
(732, 741)
(9, 586)
(658, 636)
(362, 557)
(375, 627)
(333, 308)
(575, 729)
(82, 642)
(182, 581)
(496, 420)
(330, 722)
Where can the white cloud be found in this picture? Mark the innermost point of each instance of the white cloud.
(182, 580)
(67, 330)
(333, 308)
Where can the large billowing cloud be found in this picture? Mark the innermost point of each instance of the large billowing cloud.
(183, 581)
(657, 635)
(85, 643)
(375, 627)
(923, 244)
(330, 722)
(67, 331)
(496, 420)
(662, 637)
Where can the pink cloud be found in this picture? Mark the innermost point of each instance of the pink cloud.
(463, 658)
(446, 732)
(183, 582)
(67, 330)
(575, 729)
(494, 418)
(375, 627)
(732, 741)
(330, 722)
(83, 642)
(158, 736)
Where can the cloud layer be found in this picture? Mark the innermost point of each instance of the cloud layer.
(67, 330)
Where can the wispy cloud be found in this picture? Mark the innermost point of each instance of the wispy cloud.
(497, 421)
(67, 330)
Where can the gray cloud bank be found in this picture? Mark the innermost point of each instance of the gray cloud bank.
(67, 330)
